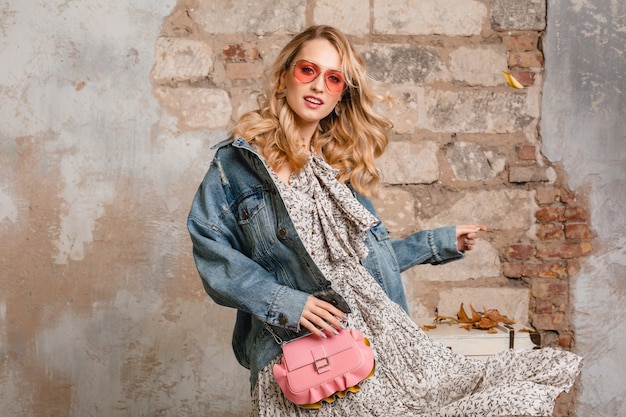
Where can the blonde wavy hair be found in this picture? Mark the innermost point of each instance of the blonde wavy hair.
(350, 138)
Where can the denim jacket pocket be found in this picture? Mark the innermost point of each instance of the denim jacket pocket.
(255, 222)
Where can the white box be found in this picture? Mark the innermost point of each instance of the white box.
(480, 344)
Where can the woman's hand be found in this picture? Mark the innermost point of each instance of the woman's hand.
(466, 235)
(319, 315)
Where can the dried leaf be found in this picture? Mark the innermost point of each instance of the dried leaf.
(495, 315)
(462, 315)
(467, 327)
(492, 331)
(486, 323)
(427, 327)
(475, 315)
(511, 80)
(464, 318)
(452, 320)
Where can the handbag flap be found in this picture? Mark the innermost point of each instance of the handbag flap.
(312, 349)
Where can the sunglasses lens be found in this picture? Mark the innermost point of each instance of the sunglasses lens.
(307, 71)
(334, 81)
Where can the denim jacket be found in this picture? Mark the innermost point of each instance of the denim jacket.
(250, 258)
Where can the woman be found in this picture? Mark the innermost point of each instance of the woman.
(283, 216)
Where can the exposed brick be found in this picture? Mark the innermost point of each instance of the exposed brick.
(178, 24)
(547, 269)
(518, 14)
(555, 269)
(550, 214)
(558, 289)
(242, 70)
(349, 15)
(546, 195)
(575, 214)
(526, 152)
(528, 59)
(518, 42)
(513, 269)
(479, 65)
(578, 231)
(400, 158)
(234, 16)
(499, 209)
(181, 59)
(573, 267)
(555, 321)
(526, 78)
(549, 288)
(405, 100)
(530, 269)
(396, 208)
(404, 64)
(569, 198)
(452, 18)
(549, 338)
(520, 251)
(528, 174)
(477, 111)
(240, 52)
(566, 340)
(544, 306)
(197, 108)
(563, 250)
(472, 162)
(561, 304)
(550, 231)
(563, 404)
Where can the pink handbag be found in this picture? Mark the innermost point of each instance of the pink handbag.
(314, 369)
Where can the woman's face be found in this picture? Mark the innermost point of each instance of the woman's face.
(312, 101)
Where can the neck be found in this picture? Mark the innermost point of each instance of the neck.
(308, 132)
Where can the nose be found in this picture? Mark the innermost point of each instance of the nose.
(318, 83)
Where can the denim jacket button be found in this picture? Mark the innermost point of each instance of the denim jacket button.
(282, 320)
(282, 231)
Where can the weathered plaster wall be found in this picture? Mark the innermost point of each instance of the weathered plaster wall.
(584, 129)
(107, 115)
(101, 313)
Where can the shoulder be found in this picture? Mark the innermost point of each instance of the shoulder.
(226, 142)
(233, 146)
(236, 161)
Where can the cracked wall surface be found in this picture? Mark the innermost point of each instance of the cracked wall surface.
(108, 114)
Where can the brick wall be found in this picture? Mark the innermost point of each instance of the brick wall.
(465, 148)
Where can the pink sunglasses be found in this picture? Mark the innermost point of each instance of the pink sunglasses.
(306, 71)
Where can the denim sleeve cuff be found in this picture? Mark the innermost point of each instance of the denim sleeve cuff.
(286, 308)
(443, 245)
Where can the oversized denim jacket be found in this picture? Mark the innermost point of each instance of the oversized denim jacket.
(250, 258)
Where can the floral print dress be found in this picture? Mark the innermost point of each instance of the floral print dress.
(415, 376)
